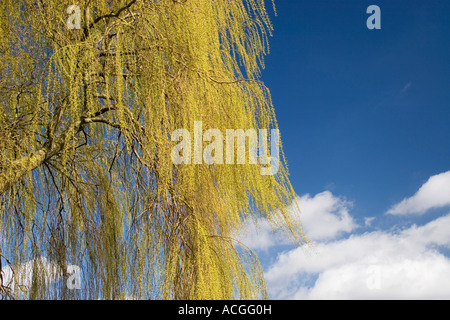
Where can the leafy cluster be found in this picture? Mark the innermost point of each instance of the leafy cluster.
(86, 176)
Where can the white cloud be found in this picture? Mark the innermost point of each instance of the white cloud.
(323, 217)
(368, 221)
(422, 277)
(435, 193)
(48, 271)
(406, 264)
(24, 272)
(260, 236)
(376, 265)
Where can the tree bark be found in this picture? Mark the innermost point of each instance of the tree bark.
(19, 168)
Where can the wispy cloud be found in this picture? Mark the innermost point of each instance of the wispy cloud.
(406, 87)
(435, 193)
(368, 221)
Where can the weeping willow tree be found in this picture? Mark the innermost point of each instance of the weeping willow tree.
(86, 177)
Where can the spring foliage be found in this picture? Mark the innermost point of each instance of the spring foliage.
(85, 121)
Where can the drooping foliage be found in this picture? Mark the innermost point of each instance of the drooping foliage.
(86, 176)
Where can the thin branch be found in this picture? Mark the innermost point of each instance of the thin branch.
(112, 14)
(5, 289)
(85, 139)
(115, 153)
(100, 120)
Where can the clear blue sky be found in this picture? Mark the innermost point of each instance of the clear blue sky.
(362, 112)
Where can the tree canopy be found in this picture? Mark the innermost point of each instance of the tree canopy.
(86, 117)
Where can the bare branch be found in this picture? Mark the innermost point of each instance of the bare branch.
(113, 14)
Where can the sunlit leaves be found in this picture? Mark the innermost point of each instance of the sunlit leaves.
(85, 150)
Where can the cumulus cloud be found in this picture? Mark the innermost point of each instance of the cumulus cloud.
(323, 217)
(375, 265)
(260, 236)
(435, 193)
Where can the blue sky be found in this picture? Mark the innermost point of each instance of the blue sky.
(365, 111)
(365, 122)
